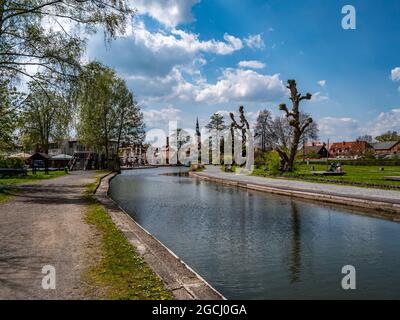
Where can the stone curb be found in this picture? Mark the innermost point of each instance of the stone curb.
(391, 209)
(184, 283)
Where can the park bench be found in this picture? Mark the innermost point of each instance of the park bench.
(12, 172)
(393, 178)
(329, 173)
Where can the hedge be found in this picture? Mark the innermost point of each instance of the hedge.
(372, 162)
(11, 163)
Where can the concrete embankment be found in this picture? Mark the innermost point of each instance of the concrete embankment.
(376, 202)
(184, 283)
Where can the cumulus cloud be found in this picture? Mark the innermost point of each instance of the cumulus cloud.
(253, 64)
(242, 85)
(338, 129)
(255, 42)
(157, 53)
(159, 118)
(168, 12)
(386, 121)
(396, 74)
(322, 83)
(234, 85)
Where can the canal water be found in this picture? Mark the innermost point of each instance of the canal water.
(252, 245)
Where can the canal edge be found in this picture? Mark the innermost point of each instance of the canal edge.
(179, 278)
(381, 207)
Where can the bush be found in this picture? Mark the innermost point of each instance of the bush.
(270, 161)
(11, 163)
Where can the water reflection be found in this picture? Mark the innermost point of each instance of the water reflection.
(296, 244)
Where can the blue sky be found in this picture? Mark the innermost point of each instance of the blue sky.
(189, 58)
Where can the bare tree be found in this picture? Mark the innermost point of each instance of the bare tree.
(298, 125)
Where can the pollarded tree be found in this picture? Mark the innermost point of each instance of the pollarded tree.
(298, 125)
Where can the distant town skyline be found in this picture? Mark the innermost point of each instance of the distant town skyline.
(188, 58)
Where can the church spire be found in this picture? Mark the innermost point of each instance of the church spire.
(198, 128)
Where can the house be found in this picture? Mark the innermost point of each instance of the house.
(390, 148)
(350, 149)
(317, 151)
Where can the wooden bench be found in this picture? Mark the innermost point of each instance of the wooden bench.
(329, 173)
(13, 172)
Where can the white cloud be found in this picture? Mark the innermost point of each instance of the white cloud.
(255, 42)
(168, 12)
(386, 121)
(396, 74)
(319, 97)
(143, 52)
(253, 64)
(339, 129)
(234, 85)
(322, 83)
(242, 85)
(159, 118)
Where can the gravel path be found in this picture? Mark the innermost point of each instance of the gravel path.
(44, 225)
(324, 188)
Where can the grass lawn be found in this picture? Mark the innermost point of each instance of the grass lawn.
(121, 274)
(358, 174)
(31, 178)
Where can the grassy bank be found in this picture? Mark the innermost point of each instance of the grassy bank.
(366, 175)
(120, 273)
(6, 194)
(31, 178)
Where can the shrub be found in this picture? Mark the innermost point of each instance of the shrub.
(11, 163)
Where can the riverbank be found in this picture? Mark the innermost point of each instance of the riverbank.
(384, 202)
(180, 279)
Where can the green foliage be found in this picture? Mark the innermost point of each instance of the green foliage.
(25, 42)
(11, 163)
(46, 116)
(388, 136)
(268, 162)
(107, 112)
(216, 123)
(10, 101)
(120, 274)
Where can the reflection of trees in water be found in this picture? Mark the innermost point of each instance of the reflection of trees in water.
(295, 264)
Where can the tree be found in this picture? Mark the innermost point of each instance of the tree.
(45, 116)
(262, 128)
(182, 138)
(216, 123)
(45, 33)
(298, 125)
(366, 138)
(10, 103)
(108, 114)
(129, 119)
(388, 136)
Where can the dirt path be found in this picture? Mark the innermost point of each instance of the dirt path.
(44, 225)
